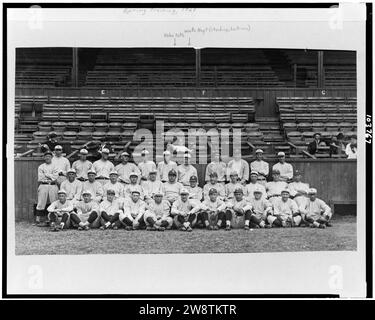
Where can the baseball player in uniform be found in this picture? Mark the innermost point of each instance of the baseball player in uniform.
(125, 168)
(213, 184)
(151, 186)
(61, 163)
(298, 189)
(261, 208)
(146, 165)
(275, 187)
(47, 189)
(211, 211)
(110, 210)
(233, 185)
(165, 166)
(315, 212)
(72, 187)
(82, 165)
(157, 214)
(133, 186)
(217, 166)
(285, 169)
(94, 186)
(172, 188)
(103, 167)
(134, 210)
(285, 212)
(183, 216)
(195, 192)
(186, 170)
(87, 213)
(259, 165)
(240, 166)
(238, 212)
(253, 184)
(113, 184)
(59, 212)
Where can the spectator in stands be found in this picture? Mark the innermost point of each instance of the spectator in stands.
(50, 144)
(103, 167)
(337, 144)
(351, 148)
(165, 166)
(82, 165)
(285, 169)
(125, 168)
(61, 163)
(146, 165)
(259, 165)
(240, 166)
(313, 145)
(186, 170)
(217, 166)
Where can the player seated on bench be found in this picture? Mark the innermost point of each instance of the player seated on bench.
(134, 209)
(87, 213)
(285, 212)
(238, 212)
(316, 213)
(211, 212)
(59, 212)
(261, 208)
(110, 210)
(157, 214)
(183, 216)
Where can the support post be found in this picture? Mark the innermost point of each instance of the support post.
(197, 67)
(75, 68)
(320, 70)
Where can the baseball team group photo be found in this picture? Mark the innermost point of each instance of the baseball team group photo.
(182, 150)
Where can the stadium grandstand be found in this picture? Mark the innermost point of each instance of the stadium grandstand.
(277, 98)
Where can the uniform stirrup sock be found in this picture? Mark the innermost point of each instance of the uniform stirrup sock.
(228, 222)
(62, 224)
(107, 224)
(219, 222)
(262, 224)
(316, 224)
(247, 222)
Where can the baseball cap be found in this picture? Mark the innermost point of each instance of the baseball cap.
(144, 152)
(234, 173)
(312, 191)
(254, 173)
(297, 173)
(91, 171)
(213, 174)
(172, 173)
(258, 151)
(158, 193)
(193, 178)
(87, 192)
(71, 170)
(105, 150)
(113, 172)
(212, 191)
(257, 190)
(111, 191)
(62, 191)
(83, 151)
(125, 154)
(238, 190)
(184, 191)
(48, 153)
(285, 191)
(58, 147)
(153, 171)
(134, 174)
(281, 154)
(136, 191)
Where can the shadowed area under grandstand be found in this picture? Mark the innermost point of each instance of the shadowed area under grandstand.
(341, 237)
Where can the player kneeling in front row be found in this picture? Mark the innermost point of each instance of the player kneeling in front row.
(110, 210)
(239, 212)
(316, 213)
(87, 215)
(182, 210)
(261, 208)
(212, 211)
(157, 214)
(285, 212)
(59, 212)
(134, 210)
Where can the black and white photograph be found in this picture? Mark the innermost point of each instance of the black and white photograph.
(187, 136)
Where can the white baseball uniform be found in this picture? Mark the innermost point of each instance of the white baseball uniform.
(164, 168)
(124, 171)
(96, 189)
(219, 167)
(185, 172)
(286, 170)
(47, 173)
(81, 168)
(260, 166)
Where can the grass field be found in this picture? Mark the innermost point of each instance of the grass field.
(35, 240)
